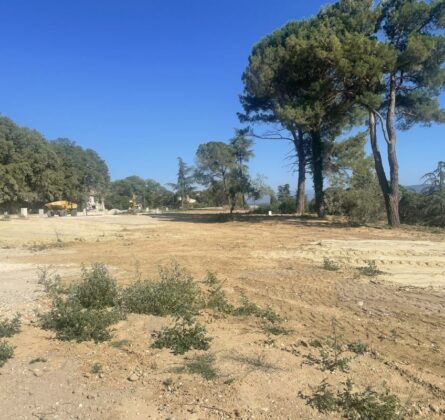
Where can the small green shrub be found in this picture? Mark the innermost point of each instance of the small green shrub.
(366, 405)
(248, 308)
(97, 368)
(71, 321)
(120, 344)
(98, 289)
(330, 265)
(358, 347)
(10, 327)
(370, 270)
(182, 337)
(202, 364)
(175, 294)
(331, 353)
(211, 279)
(275, 329)
(6, 352)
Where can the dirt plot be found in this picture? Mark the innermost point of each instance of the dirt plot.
(275, 261)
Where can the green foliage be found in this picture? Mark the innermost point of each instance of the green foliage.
(330, 265)
(275, 329)
(202, 364)
(175, 294)
(184, 183)
(331, 353)
(183, 336)
(83, 311)
(34, 171)
(96, 368)
(6, 352)
(97, 289)
(8, 328)
(248, 308)
(71, 321)
(358, 347)
(366, 405)
(370, 270)
(149, 193)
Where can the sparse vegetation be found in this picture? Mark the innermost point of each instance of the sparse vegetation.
(366, 405)
(175, 294)
(85, 310)
(331, 352)
(370, 270)
(330, 265)
(249, 308)
(97, 368)
(183, 336)
(255, 363)
(8, 328)
(358, 347)
(120, 344)
(6, 352)
(38, 360)
(275, 329)
(202, 364)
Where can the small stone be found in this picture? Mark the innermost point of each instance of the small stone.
(37, 372)
(133, 377)
(360, 303)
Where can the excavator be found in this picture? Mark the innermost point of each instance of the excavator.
(61, 208)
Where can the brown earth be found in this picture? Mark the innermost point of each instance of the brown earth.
(275, 261)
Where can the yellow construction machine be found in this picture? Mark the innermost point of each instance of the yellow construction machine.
(61, 208)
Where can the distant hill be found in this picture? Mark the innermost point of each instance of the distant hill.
(416, 188)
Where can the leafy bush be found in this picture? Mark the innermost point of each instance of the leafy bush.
(175, 294)
(71, 321)
(85, 310)
(98, 289)
(366, 405)
(10, 327)
(182, 337)
(6, 352)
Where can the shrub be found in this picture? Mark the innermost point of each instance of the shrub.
(71, 321)
(370, 270)
(275, 329)
(330, 265)
(248, 308)
(182, 337)
(6, 352)
(10, 327)
(358, 347)
(175, 294)
(366, 405)
(85, 310)
(98, 289)
(202, 364)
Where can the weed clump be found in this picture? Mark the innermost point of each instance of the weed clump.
(248, 308)
(183, 336)
(175, 294)
(202, 364)
(358, 347)
(370, 270)
(10, 327)
(6, 352)
(275, 329)
(84, 311)
(366, 405)
(330, 265)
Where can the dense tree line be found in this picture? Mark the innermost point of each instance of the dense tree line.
(358, 62)
(148, 192)
(34, 171)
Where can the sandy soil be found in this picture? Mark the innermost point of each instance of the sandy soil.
(278, 261)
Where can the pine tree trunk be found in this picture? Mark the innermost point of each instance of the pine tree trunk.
(301, 156)
(317, 171)
(391, 200)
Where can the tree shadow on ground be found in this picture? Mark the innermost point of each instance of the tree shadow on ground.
(187, 217)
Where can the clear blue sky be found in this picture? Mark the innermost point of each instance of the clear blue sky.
(145, 81)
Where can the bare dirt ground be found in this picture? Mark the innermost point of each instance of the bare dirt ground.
(276, 261)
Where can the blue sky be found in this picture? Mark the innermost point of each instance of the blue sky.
(145, 81)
